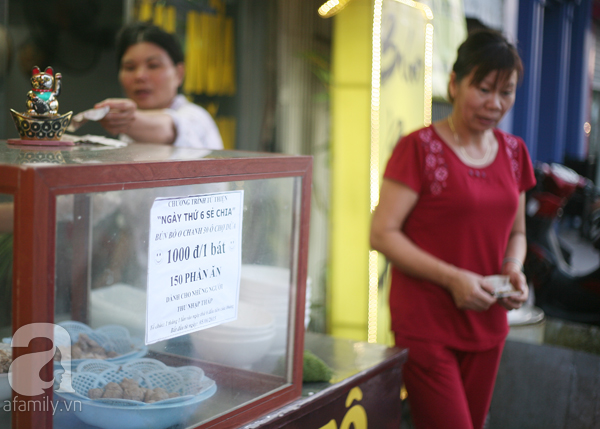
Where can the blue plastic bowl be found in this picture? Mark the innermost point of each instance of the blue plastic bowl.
(149, 417)
(189, 382)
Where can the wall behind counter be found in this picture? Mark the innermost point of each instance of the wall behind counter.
(77, 41)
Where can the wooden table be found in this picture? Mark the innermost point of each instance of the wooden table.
(364, 392)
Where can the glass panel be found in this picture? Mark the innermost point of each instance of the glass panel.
(6, 261)
(88, 154)
(102, 266)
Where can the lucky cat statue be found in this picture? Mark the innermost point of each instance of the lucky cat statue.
(41, 124)
(45, 88)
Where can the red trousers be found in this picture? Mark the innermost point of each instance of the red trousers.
(448, 389)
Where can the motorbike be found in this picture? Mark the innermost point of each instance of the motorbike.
(560, 290)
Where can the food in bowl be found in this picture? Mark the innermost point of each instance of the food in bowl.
(189, 382)
(110, 342)
(5, 358)
(86, 348)
(130, 389)
(5, 362)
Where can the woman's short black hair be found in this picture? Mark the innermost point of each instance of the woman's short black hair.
(145, 32)
(486, 50)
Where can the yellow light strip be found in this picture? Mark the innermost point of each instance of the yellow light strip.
(428, 90)
(374, 162)
(332, 7)
(374, 168)
(375, 97)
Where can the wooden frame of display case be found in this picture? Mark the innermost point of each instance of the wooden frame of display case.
(35, 189)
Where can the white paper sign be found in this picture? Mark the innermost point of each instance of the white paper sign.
(194, 263)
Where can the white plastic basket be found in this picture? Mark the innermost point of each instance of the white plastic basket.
(189, 382)
(110, 337)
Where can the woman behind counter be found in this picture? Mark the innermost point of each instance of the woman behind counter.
(151, 70)
(451, 211)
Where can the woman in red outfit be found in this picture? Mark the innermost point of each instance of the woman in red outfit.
(451, 212)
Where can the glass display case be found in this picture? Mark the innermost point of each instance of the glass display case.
(153, 286)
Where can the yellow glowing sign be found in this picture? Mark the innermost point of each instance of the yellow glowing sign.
(402, 79)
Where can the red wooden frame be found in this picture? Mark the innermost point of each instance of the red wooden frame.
(35, 189)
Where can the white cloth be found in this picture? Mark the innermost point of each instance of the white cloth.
(195, 127)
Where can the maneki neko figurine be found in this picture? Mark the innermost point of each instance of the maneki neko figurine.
(41, 124)
(42, 99)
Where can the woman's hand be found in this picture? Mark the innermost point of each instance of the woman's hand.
(120, 116)
(469, 292)
(519, 282)
(143, 126)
